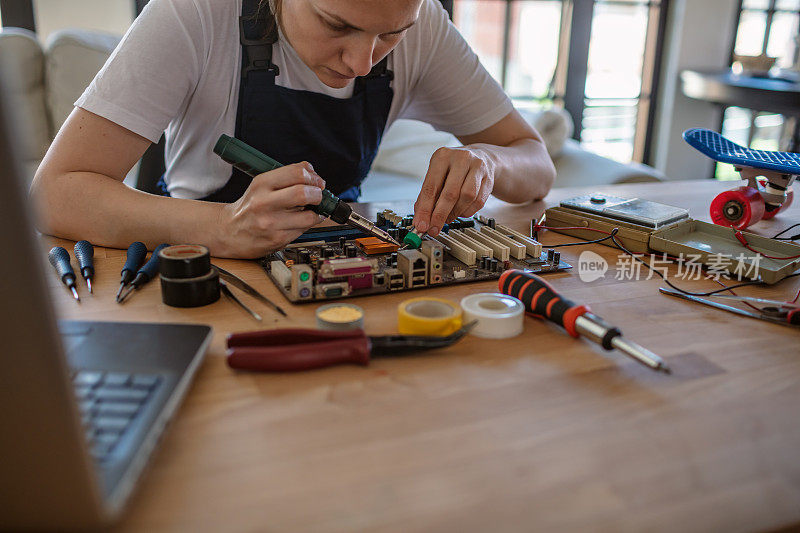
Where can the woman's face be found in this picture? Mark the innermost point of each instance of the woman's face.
(342, 39)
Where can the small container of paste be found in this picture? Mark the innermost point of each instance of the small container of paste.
(340, 317)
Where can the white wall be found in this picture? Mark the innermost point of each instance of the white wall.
(113, 16)
(699, 37)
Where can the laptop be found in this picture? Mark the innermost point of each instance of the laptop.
(82, 404)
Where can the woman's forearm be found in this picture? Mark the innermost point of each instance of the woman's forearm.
(79, 193)
(86, 205)
(523, 171)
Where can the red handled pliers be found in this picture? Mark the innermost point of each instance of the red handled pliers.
(293, 350)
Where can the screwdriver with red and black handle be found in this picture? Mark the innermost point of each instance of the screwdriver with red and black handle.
(541, 300)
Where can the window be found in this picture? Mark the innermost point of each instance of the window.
(16, 13)
(620, 77)
(517, 41)
(768, 27)
(599, 58)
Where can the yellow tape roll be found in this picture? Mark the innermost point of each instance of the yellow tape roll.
(428, 316)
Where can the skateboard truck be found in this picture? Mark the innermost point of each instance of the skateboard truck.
(769, 178)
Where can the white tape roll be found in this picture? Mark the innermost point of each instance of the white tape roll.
(499, 316)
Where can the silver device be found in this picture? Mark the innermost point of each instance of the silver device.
(635, 210)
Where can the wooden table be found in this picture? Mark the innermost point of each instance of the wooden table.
(540, 432)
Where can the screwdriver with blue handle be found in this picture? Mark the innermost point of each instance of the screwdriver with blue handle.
(144, 274)
(252, 162)
(84, 253)
(59, 258)
(136, 254)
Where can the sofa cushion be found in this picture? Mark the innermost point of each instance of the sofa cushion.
(408, 145)
(554, 124)
(73, 59)
(578, 167)
(22, 71)
(385, 186)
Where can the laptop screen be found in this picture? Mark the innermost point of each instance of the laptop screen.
(37, 415)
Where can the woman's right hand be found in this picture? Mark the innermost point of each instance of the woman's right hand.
(270, 213)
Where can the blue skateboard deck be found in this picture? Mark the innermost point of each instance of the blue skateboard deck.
(721, 149)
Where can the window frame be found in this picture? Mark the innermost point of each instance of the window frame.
(18, 14)
(568, 87)
(769, 11)
(788, 121)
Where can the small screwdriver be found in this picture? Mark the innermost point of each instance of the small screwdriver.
(252, 162)
(145, 274)
(136, 254)
(59, 258)
(84, 253)
(543, 301)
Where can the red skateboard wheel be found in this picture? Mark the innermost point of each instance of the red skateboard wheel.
(738, 208)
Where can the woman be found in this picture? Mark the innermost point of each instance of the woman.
(313, 86)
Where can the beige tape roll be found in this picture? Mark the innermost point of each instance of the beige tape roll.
(428, 316)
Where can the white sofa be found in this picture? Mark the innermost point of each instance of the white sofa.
(46, 80)
(408, 146)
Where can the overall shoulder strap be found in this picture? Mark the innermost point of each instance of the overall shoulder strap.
(258, 31)
(380, 70)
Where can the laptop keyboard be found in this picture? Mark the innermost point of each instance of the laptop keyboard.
(109, 404)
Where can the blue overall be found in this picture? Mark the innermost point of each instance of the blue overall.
(339, 137)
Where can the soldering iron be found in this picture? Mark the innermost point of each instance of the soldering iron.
(252, 162)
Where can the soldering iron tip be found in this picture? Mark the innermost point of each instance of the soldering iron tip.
(75, 294)
(665, 369)
(89, 284)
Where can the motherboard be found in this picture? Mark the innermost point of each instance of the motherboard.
(339, 261)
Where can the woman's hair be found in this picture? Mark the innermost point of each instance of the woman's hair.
(264, 4)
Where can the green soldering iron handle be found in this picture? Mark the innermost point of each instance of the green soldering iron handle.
(244, 157)
(331, 206)
(252, 162)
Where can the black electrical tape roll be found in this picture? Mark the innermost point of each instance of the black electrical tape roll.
(184, 261)
(191, 292)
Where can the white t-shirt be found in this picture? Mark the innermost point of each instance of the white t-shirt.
(177, 70)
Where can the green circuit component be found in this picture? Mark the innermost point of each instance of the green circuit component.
(413, 240)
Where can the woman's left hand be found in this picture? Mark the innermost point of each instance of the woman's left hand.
(458, 183)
